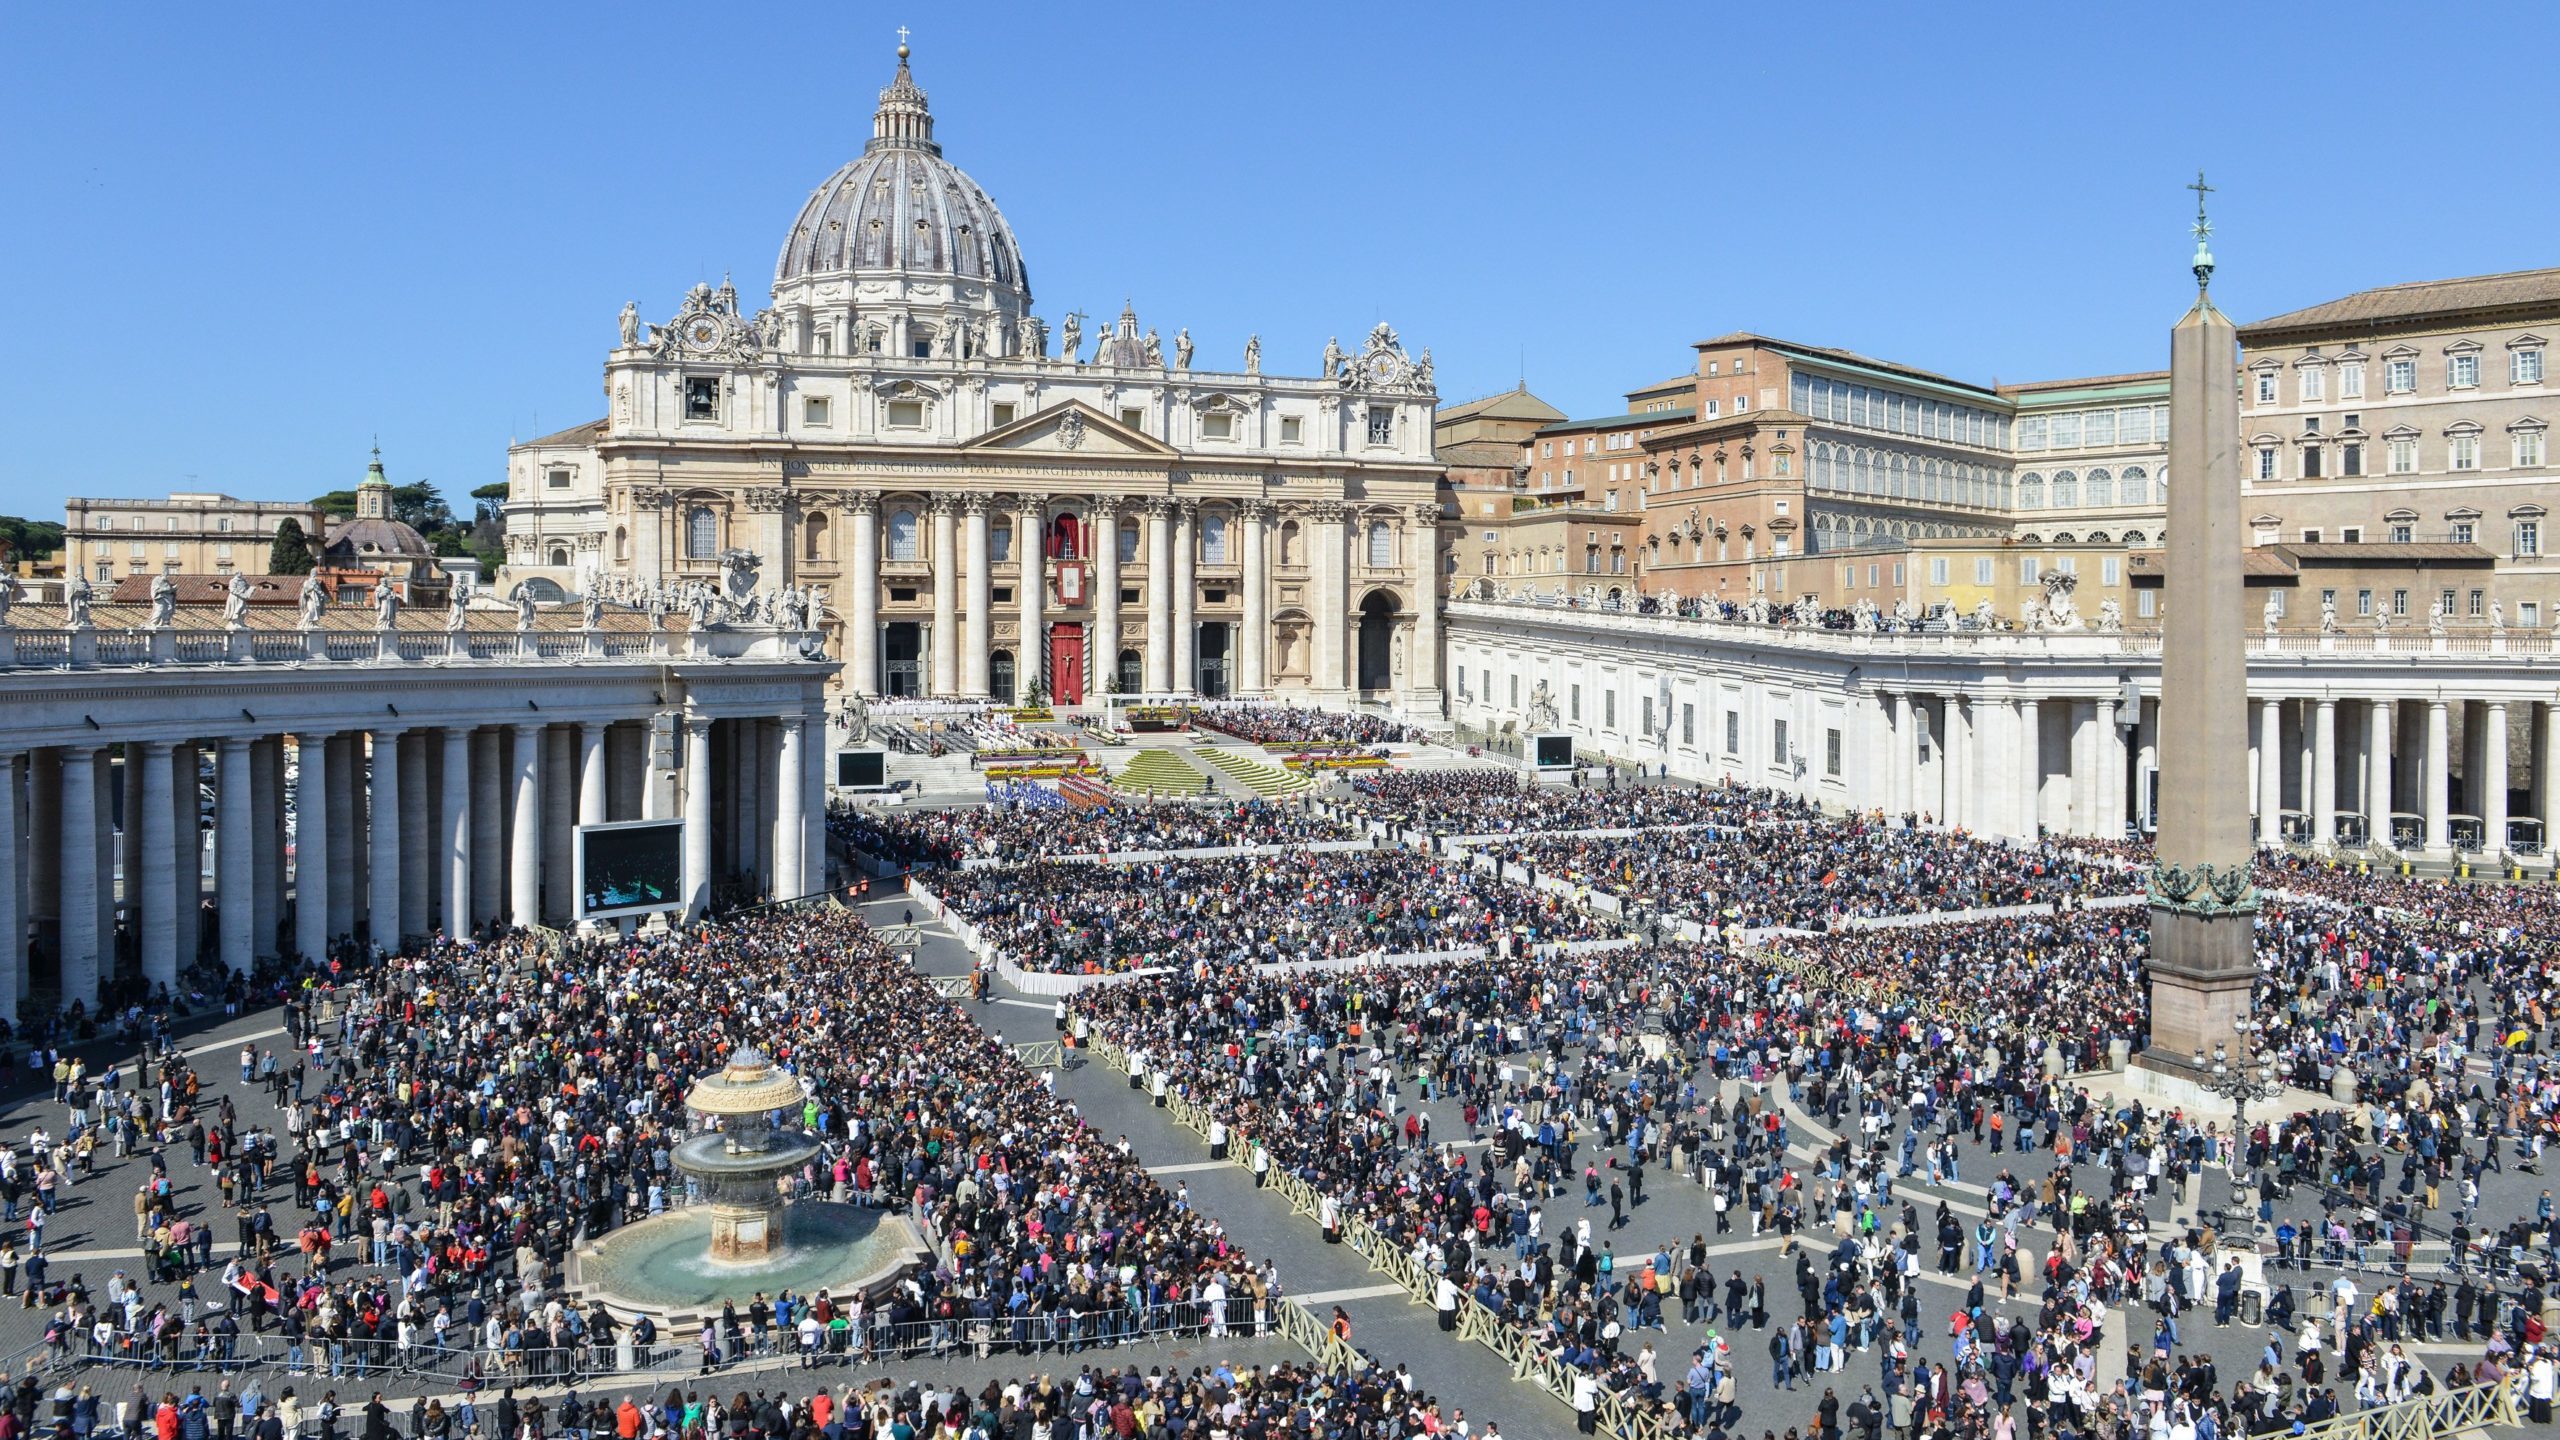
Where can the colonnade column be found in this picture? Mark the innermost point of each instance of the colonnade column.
(79, 850)
(345, 764)
(813, 802)
(551, 821)
(791, 830)
(946, 598)
(311, 841)
(2490, 764)
(188, 833)
(2324, 771)
(1423, 674)
(13, 917)
(2109, 771)
(1895, 750)
(488, 826)
(266, 824)
(862, 619)
(1031, 588)
(2377, 774)
(2434, 773)
(417, 884)
(382, 801)
(1159, 654)
(456, 820)
(2546, 770)
(1186, 589)
(1251, 662)
(155, 896)
(697, 816)
(524, 847)
(2270, 772)
(1332, 608)
(1106, 594)
(2027, 716)
(237, 868)
(1958, 768)
(978, 628)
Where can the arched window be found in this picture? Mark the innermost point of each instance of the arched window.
(813, 537)
(1000, 546)
(1132, 679)
(621, 543)
(1292, 544)
(2031, 491)
(1128, 542)
(1382, 546)
(902, 535)
(701, 533)
(1063, 538)
(559, 555)
(2135, 537)
(2066, 490)
(1213, 538)
(2102, 488)
(2136, 489)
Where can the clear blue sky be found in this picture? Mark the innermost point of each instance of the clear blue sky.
(246, 239)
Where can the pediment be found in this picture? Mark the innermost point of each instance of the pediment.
(1073, 428)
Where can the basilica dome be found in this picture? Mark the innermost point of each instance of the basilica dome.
(901, 211)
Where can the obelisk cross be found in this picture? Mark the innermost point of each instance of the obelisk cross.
(2204, 227)
(2202, 264)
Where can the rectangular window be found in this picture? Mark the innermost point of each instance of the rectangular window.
(2404, 456)
(1608, 709)
(2266, 462)
(1574, 710)
(2109, 569)
(2266, 387)
(557, 477)
(2030, 570)
(1897, 572)
(2311, 536)
(2328, 600)
(1382, 425)
(1515, 689)
(2529, 613)
(2364, 604)
(2478, 597)
(2146, 603)
(2098, 427)
(2528, 539)
(2400, 376)
(1218, 426)
(2352, 534)
(2031, 433)
(1982, 569)
(2310, 462)
(1831, 753)
(2528, 448)
(815, 411)
(2402, 533)
(1645, 714)
(222, 552)
(2312, 382)
(2462, 532)
(2462, 372)
(1003, 413)
(1873, 577)
(1778, 742)
(1733, 733)
(1292, 429)
(2066, 430)
(2400, 602)
(2524, 367)
(2444, 601)
(2351, 458)
(2350, 382)
(1689, 725)
(2463, 453)
(701, 398)
(906, 414)
(1937, 570)
(1134, 419)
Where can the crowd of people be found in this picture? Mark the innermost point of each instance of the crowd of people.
(1815, 873)
(1289, 725)
(1493, 801)
(1085, 918)
(1021, 828)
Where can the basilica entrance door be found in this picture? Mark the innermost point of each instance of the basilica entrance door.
(1066, 663)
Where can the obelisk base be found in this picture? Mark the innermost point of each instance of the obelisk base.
(2202, 967)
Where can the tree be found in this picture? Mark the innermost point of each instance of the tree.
(29, 539)
(337, 504)
(291, 554)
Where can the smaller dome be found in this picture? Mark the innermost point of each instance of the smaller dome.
(373, 531)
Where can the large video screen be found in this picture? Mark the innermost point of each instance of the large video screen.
(635, 867)
(861, 769)
(1555, 752)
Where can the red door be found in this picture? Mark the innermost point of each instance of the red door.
(1066, 663)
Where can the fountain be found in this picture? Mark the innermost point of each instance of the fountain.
(684, 1265)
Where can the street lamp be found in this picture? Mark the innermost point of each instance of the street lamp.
(2240, 1078)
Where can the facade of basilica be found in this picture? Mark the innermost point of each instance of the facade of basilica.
(981, 517)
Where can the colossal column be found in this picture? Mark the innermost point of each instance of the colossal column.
(1106, 594)
(2434, 780)
(1332, 608)
(2027, 717)
(457, 818)
(697, 816)
(234, 828)
(1159, 673)
(2110, 769)
(1422, 673)
(78, 840)
(155, 894)
(1253, 676)
(2492, 768)
(946, 598)
(416, 881)
(2203, 904)
(1186, 589)
(488, 826)
(1030, 585)
(2324, 771)
(559, 838)
(382, 802)
(862, 619)
(189, 834)
(345, 764)
(524, 847)
(2271, 772)
(2546, 770)
(13, 926)
(311, 843)
(266, 845)
(978, 629)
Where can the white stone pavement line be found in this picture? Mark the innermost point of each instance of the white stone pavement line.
(267, 1034)
(1357, 1292)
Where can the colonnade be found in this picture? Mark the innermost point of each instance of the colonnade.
(2434, 774)
(2007, 764)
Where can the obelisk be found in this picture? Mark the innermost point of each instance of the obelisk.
(2203, 905)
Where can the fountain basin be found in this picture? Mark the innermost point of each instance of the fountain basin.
(668, 1266)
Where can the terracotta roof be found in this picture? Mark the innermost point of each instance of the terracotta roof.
(2420, 298)
(2258, 560)
(1630, 420)
(586, 434)
(1514, 402)
(209, 590)
(2389, 552)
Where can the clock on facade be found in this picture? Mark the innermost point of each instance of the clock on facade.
(702, 332)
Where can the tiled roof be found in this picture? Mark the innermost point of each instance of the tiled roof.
(2422, 298)
(586, 434)
(1845, 357)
